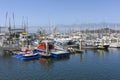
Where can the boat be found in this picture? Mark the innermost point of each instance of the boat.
(22, 51)
(44, 48)
(59, 53)
(44, 54)
(27, 56)
(2, 39)
(76, 48)
(115, 43)
(30, 54)
(101, 45)
(47, 49)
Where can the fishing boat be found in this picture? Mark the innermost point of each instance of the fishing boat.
(47, 49)
(102, 46)
(44, 48)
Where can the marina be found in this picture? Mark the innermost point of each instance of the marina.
(59, 40)
(83, 54)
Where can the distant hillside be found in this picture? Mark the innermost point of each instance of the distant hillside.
(102, 30)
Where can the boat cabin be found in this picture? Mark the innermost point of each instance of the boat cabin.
(42, 45)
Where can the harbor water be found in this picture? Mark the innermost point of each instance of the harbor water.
(90, 65)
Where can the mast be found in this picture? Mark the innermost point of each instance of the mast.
(9, 28)
(13, 21)
(27, 25)
(23, 22)
(6, 16)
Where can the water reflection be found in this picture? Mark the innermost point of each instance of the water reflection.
(101, 53)
(61, 59)
(113, 50)
(81, 58)
(5, 53)
(48, 62)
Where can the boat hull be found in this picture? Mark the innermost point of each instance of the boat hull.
(21, 57)
(59, 54)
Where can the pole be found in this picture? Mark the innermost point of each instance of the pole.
(80, 46)
(46, 47)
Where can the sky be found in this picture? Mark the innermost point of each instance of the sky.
(53, 12)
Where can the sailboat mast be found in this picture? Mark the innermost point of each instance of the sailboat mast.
(27, 25)
(23, 22)
(6, 17)
(10, 26)
(13, 21)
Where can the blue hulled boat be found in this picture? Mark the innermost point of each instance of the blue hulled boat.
(28, 56)
(57, 54)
